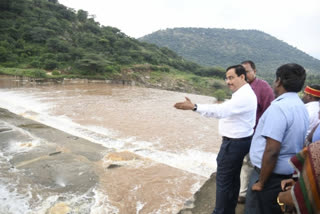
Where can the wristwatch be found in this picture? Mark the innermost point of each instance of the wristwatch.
(195, 107)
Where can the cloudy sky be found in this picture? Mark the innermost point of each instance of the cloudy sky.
(295, 22)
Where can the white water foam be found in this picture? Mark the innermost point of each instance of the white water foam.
(19, 102)
(32, 108)
(198, 162)
(139, 206)
(12, 202)
(93, 202)
(102, 204)
(194, 161)
(22, 146)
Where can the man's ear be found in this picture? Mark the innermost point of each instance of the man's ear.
(278, 82)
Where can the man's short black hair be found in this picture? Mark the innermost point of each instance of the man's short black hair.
(253, 66)
(239, 70)
(292, 76)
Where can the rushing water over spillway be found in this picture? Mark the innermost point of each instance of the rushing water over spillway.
(146, 156)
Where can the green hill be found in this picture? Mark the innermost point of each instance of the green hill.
(42, 36)
(224, 47)
(46, 34)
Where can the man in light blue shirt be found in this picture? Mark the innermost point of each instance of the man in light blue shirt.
(279, 135)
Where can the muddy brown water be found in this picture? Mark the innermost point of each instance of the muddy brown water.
(150, 157)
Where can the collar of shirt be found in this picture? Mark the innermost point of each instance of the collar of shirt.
(285, 95)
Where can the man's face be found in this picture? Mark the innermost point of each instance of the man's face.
(251, 74)
(233, 81)
(306, 98)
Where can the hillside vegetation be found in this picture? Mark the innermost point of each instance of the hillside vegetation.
(42, 36)
(46, 34)
(224, 47)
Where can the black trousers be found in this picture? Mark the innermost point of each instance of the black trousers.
(229, 161)
(264, 202)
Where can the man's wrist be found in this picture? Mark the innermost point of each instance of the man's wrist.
(279, 202)
(195, 107)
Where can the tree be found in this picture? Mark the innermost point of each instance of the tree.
(15, 5)
(5, 4)
(57, 45)
(82, 15)
(3, 54)
(50, 64)
(92, 63)
(38, 34)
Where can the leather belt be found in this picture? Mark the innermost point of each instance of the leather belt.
(235, 139)
(258, 170)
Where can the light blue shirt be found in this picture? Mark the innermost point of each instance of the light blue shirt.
(286, 121)
(316, 135)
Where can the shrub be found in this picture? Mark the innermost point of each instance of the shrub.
(35, 63)
(112, 68)
(220, 95)
(34, 73)
(50, 64)
(55, 73)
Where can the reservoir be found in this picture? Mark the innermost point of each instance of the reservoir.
(153, 158)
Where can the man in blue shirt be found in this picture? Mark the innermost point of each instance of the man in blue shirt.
(279, 135)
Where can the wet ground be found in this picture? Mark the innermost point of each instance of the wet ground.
(50, 171)
(66, 165)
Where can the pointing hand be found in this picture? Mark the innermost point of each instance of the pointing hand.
(186, 105)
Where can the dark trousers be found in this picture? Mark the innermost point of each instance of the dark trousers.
(264, 202)
(229, 162)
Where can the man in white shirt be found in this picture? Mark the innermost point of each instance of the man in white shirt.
(237, 120)
(311, 99)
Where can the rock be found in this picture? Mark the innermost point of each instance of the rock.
(38, 162)
(54, 153)
(4, 129)
(205, 198)
(112, 166)
(59, 208)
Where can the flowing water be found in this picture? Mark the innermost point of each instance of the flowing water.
(167, 153)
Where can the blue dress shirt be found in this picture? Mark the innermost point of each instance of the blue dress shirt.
(286, 121)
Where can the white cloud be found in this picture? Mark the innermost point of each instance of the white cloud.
(293, 21)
